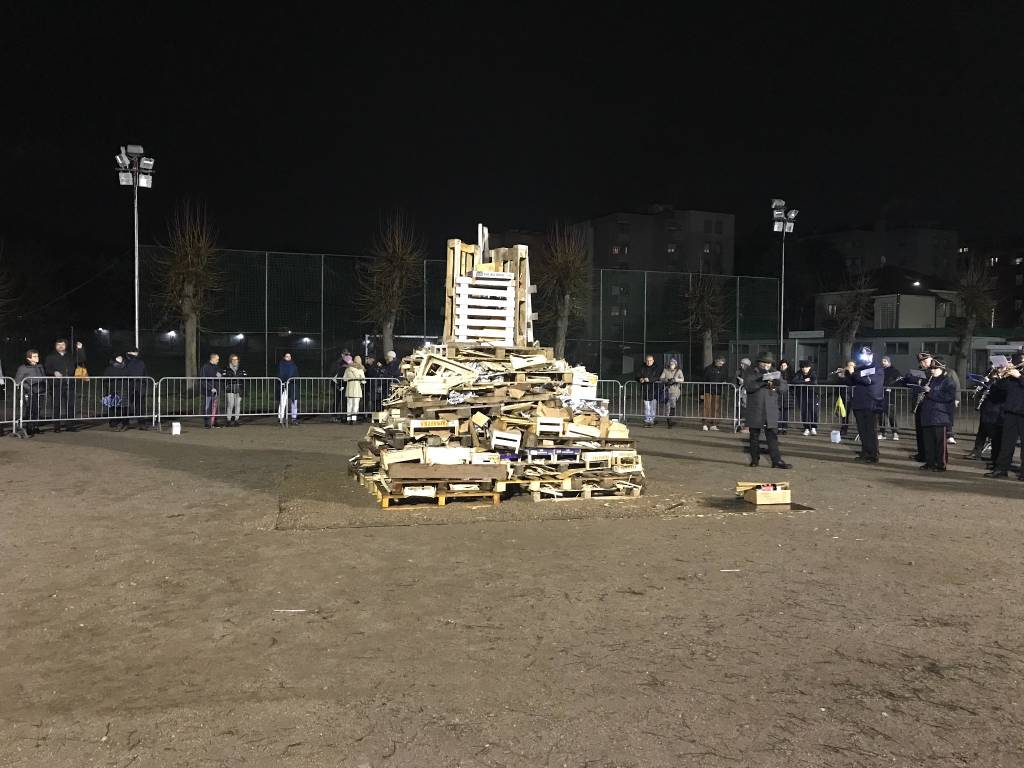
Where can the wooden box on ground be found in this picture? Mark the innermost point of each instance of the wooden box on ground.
(764, 493)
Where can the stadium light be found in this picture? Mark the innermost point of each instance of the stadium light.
(135, 170)
(782, 221)
(172, 334)
(239, 337)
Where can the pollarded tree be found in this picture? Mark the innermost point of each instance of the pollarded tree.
(562, 275)
(975, 300)
(706, 312)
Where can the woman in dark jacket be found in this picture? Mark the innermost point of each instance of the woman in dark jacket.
(936, 409)
(114, 401)
(806, 396)
(784, 400)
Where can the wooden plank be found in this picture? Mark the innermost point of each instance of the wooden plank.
(456, 472)
(481, 312)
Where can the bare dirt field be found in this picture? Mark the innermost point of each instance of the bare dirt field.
(231, 598)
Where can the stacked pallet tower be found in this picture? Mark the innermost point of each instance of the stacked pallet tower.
(490, 412)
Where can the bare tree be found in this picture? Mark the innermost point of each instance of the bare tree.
(974, 297)
(393, 275)
(562, 277)
(706, 314)
(853, 309)
(189, 274)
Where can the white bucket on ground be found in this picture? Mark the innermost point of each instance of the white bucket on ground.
(175, 427)
(837, 436)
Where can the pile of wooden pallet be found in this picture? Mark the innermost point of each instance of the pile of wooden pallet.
(479, 421)
(488, 412)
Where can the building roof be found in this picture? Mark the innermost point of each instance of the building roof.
(892, 279)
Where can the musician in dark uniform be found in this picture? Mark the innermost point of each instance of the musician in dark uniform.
(924, 364)
(868, 384)
(763, 409)
(1013, 418)
(935, 410)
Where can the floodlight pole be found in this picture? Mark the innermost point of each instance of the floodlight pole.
(782, 295)
(135, 208)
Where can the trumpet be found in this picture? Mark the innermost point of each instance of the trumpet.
(1002, 373)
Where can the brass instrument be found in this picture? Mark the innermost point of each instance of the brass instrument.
(1003, 373)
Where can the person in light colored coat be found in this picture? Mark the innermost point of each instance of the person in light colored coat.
(672, 379)
(354, 377)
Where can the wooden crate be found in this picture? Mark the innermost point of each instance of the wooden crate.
(755, 494)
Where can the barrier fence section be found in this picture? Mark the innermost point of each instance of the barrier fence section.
(344, 400)
(816, 406)
(611, 390)
(711, 403)
(216, 400)
(64, 401)
(8, 403)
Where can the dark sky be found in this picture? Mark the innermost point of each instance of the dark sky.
(297, 130)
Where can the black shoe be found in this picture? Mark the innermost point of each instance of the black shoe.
(971, 455)
(782, 465)
(997, 473)
(865, 459)
(925, 467)
(754, 462)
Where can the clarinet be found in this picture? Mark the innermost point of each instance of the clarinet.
(920, 398)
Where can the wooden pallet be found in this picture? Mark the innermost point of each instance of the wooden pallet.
(440, 499)
(585, 493)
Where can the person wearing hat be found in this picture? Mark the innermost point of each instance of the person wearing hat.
(936, 411)
(763, 387)
(714, 374)
(135, 368)
(924, 364)
(868, 383)
(1013, 419)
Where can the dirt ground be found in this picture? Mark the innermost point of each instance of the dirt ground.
(231, 598)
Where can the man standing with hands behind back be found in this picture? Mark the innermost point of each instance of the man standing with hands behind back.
(61, 365)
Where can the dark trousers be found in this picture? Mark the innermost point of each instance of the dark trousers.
(867, 428)
(809, 411)
(890, 413)
(1013, 430)
(773, 444)
(919, 434)
(995, 434)
(935, 446)
(33, 407)
(64, 392)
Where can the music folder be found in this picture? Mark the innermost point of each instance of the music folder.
(867, 372)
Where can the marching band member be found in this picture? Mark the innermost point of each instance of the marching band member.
(1013, 418)
(868, 401)
(935, 408)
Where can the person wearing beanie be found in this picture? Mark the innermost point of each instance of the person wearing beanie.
(868, 382)
(763, 387)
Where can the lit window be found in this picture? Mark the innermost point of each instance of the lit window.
(993, 261)
(1019, 260)
(707, 247)
(831, 309)
(615, 250)
(671, 248)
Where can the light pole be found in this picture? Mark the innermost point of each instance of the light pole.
(134, 170)
(782, 221)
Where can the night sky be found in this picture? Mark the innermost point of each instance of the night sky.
(297, 131)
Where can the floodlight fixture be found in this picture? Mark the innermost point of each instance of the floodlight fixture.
(306, 340)
(135, 150)
(789, 227)
(778, 203)
(101, 330)
(778, 226)
(172, 334)
(145, 180)
(778, 213)
(791, 214)
(146, 163)
(124, 178)
(121, 159)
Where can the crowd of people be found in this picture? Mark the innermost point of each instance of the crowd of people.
(868, 393)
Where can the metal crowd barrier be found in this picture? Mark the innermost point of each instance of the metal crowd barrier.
(326, 397)
(611, 390)
(214, 399)
(8, 404)
(65, 401)
(709, 403)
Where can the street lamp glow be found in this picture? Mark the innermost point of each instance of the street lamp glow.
(917, 283)
(172, 334)
(306, 340)
(239, 337)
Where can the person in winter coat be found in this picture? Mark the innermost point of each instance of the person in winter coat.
(807, 397)
(741, 377)
(763, 409)
(287, 370)
(672, 381)
(233, 384)
(990, 427)
(30, 376)
(355, 375)
(913, 382)
(892, 375)
(648, 377)
(61, 365)
(209, 384)
(135, 368)
(1013, 420)
(114, 399)
(712, 396)
(344, 361)
(937, 416)
(843, 377)
(868, 383)
(784, 400)
(390, 369)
